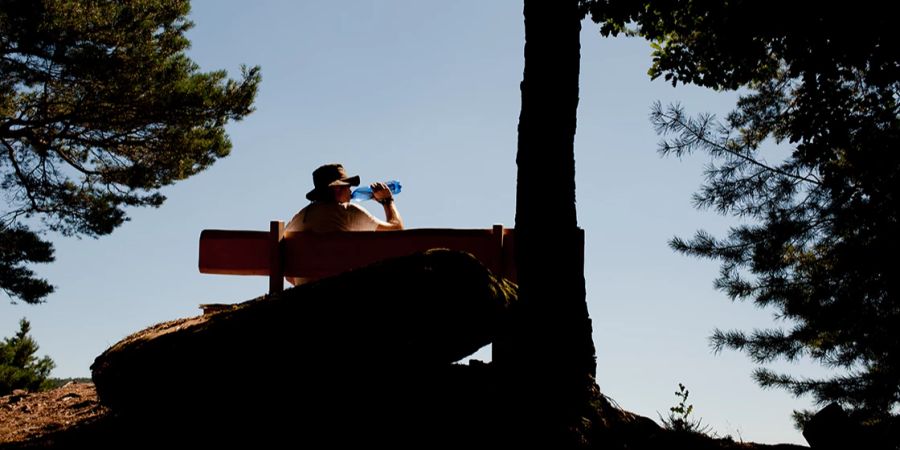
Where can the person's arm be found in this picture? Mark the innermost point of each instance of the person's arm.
(383, 195)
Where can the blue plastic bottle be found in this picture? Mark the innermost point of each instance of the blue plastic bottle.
(365, 192)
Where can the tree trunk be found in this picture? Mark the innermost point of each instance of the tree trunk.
(550, 348)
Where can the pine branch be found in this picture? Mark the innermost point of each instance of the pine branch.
(674, 122)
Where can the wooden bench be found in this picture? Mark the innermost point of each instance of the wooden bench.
(278, 254)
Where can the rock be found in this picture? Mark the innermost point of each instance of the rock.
(832, 428)
(16, 395)
(361, 347)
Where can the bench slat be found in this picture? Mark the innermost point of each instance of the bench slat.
(323, 254)
(229, 252)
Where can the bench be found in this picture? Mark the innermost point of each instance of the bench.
(279, 254)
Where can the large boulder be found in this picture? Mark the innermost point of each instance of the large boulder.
(361, 350)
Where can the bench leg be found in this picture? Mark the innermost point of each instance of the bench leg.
(276, 268)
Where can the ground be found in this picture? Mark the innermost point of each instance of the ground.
(71, 415)
(220, 379)
(28, 417)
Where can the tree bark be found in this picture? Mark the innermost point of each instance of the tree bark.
(551, 351)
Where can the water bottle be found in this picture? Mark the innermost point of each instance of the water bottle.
(365, 192)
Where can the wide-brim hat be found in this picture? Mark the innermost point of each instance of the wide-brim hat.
(327, 176)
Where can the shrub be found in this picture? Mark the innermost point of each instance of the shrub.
(19, 367)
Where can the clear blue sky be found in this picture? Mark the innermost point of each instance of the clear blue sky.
(428, 93)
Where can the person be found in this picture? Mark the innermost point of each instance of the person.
(330, 208)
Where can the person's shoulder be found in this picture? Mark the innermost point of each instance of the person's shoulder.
(295, 224)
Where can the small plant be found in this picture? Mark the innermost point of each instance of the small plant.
(680, 415)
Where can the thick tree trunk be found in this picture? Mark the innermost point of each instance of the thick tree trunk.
(550, 350)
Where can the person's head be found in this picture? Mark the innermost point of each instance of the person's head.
(331, 184)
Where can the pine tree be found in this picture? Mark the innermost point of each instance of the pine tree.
(99, 108)
(19, 367)
(819, 232)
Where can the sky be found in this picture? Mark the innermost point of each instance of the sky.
(428, 93)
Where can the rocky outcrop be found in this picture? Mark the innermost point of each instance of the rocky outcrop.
(366, 352)
(364, 359)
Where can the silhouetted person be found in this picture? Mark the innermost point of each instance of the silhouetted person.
(331, 209)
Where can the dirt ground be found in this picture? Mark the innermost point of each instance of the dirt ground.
(72, 417)
(27, 416)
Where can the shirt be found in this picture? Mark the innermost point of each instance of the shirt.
(322, 217)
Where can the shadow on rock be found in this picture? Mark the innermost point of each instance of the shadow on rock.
(363, 357)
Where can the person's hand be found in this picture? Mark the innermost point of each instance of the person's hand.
(381, 193)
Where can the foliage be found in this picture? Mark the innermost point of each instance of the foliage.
(53, 383)
(99, 109)
(819, 228)
(18, 245)
(679, 415)
(19, 367)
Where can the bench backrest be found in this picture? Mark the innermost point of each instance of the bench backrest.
(314, 255)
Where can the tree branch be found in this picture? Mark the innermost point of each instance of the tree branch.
(701, 138)
(21, 175)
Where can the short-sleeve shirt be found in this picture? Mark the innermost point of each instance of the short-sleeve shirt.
(321, 217)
